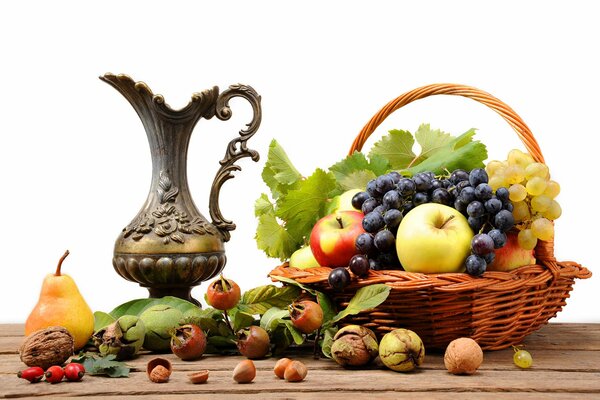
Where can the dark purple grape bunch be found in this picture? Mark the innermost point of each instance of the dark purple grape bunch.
(489, 215)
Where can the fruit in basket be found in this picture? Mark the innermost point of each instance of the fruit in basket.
(343, 202)
(354, 346)
(433, 238)
(303, 258)
(223, 294)
(123, 338)
(306, 315)
(160, 320)
(533, 194)
(463, 356)
(401, 350)
(61, 304)
(339, 278)
(512, 255)
(333, 236)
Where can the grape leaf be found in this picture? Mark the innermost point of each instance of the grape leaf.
(396, 148)
(365, 298)
(260, 299)
(354, 171)
(356, 180)
(430, 140)
(279, 173)
(303, 206)
(273, 239)
(263, 205)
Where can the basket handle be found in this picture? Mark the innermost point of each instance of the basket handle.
(509, 115)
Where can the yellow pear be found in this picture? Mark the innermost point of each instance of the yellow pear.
(61, 304)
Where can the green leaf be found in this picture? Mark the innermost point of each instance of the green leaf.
(270, 319)
(279, 173)
(294, 283)
(102, 320)
(430, 140)
(327, 341)
(365, 298)
(263, 205)
(328, 308)
(96, 365)
(260, 299)
(302, 207)
(460, 152)
(281, 338)
(354, 171)
(239, 319)
(272, 238)
(138, 306)
(356, 180)
(396, 148)
(296, 334)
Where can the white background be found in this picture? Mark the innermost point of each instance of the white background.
(74, 158)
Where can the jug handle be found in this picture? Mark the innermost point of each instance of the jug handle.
(236, 150)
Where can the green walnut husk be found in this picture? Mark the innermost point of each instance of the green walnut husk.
(160, 320)
(123, 338)
(401, 350)
(354, 346)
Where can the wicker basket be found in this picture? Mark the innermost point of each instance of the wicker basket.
(497, 309)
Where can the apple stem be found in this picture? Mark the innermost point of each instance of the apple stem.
(450, 218)
(339, 220)
(57, 273)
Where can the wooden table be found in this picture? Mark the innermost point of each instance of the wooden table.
(566, 366)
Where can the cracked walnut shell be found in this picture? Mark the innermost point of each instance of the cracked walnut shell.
(47, 347)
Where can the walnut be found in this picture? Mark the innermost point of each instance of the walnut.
(47, 347)
(463, 356)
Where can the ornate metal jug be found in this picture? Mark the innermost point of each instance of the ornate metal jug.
(169, 247)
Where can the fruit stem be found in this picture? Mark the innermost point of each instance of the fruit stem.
(227, 321)
(57, 273)
(339, 220)
(450, 218)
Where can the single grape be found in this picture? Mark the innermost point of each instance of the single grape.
(436, 184)
(375, 265)
(542, 229)
(358, 199)
(498, 237)
(526, 239)
(517, 157)
(508, 206)
(536, 169)
(467, 195)
(489, 257)
(504, 220)
(407, 206)
(459, 175)
(339, 278)
(552, 189)
(364, 243)
(406, 187)
(514, 174)
(502, 194)
(497, 181)
(484, 192)
(380, 209)
(475, 209)
(477, 176)
(522, 359)
(392, 219)
(461, 185)
(476, 223)
(359, 265)
(521, 211)
(372, 188)
(441, 196)
(369, 205)
(384, 183)
(494, 167)
(475, 265)
(460, 206)
(553, 212)
(493, 206)
(384, 240)
(540, 203)
(536, 186)
(420, 198)
(395, 175)
(482, 244)
(392, 199)
(446, 183)
(517, 192)
(388, 260)
(422, 181)
(373, 222)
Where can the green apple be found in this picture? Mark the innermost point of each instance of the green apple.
(343, 202)
(511, 255)
(303, 258)
(433, 238)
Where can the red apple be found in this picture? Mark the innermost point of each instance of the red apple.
(333, 236)
(511, 256)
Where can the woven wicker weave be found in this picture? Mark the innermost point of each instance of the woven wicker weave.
(497, 309)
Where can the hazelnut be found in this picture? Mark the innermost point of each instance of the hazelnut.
(463, 356)
(354, 346)
(280, 367)
(159, 370)
(244, 372)
(295, 372)
(47, 347)
(198, 377)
